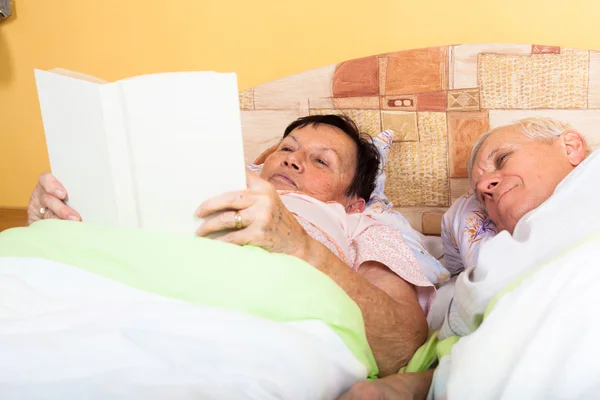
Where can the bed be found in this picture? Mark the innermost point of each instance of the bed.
(435, 101)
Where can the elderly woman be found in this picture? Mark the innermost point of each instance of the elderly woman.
(307, 202)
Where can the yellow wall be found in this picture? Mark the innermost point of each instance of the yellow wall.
(261, 40)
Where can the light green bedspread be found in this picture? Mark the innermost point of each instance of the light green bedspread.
(200, 271)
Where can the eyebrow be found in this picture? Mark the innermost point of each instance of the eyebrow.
(329, 149)
(503, 148)
(333, 151)
(493, 153)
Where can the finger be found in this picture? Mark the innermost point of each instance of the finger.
(35, 204)
(362, 391)
(242, 237)
(222, 221)
(51, 185)
(258, 184)
(228, 201)
(33, 215)
(49, 215)
(58, 208)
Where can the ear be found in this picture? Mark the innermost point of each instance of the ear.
(355, 205)
(574, 145)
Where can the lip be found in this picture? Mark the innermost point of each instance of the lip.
(286, 178)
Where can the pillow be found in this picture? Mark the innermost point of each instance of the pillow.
(465, 227)
(381, 208)
(422, 246)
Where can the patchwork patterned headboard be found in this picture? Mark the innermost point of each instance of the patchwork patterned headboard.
(438, 101)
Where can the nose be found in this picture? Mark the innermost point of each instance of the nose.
(488, 183)
(294, 160)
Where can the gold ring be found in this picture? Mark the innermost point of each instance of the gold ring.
(42, 211)
(237, 218)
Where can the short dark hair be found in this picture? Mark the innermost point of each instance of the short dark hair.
(367, 156)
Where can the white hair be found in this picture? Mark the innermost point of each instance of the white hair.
(545, 130)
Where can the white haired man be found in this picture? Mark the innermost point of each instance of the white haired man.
(532, 156)
(537, 183)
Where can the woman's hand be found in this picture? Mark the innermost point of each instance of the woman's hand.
(263, 219)
(394, 387)
(378, 390)
(47, 201)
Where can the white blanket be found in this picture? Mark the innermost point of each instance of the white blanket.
(572, 212)
(539, 341)
(70, 334)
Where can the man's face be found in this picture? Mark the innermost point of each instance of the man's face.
(319, 160)
(513, 174)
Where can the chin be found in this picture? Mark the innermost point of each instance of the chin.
(516, 215)
(510, 229)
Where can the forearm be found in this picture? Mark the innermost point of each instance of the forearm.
(414, 386)
(419, 383)
(394, 329)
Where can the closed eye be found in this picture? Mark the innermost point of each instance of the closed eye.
(501, 160)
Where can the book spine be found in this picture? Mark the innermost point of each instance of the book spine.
(120, 156)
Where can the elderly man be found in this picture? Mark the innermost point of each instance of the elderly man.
(515, 168)
(536, 184)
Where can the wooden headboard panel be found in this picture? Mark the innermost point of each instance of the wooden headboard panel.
(12, 217)
(437, 101)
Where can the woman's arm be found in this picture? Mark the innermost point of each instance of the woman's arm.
(394, 387)
(394, 321)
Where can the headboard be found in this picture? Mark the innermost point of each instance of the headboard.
(437, 101)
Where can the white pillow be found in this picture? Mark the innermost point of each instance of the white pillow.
(465, 227)
(431, 266)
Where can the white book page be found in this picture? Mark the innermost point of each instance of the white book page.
(118, 143)
(74, 126)
(186, 144)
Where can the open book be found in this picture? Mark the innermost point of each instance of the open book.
(143, 152)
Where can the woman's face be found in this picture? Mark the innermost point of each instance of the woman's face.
(319, 160)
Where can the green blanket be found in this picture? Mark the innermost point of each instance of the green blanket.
(199, 271)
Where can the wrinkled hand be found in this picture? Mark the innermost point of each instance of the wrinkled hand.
(380, 389)
(49, 194)
(265, 220)
(394, 387)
